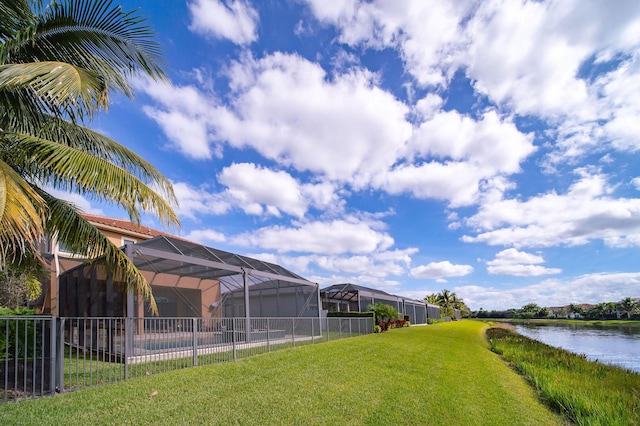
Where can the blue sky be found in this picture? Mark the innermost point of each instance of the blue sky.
(490, 148)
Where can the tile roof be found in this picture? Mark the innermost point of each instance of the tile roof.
(124, 225)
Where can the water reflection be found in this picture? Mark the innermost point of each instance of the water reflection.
(616, 345)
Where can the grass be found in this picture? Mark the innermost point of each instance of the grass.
(586, 392)
(442, 374)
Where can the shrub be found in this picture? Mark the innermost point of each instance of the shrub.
(16, 337)
(377, 329)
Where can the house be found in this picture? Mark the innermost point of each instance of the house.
(349, 297)
(187, 280)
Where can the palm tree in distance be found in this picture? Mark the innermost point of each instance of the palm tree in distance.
(445, 299)
(58, 64)
(432, 298)
(628, 306)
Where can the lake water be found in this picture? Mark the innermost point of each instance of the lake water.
(616, 345)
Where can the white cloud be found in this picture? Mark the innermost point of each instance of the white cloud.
(518, 263)
(290, 111)
(591, 288)
(422, 31)
(586, 212)
(334, 237)
(527, 57)
(636, 183)
(193, 202)
(184, 113)
(464, 155)
(235, 20)
(205, 236)
(439, 270)
(253, 186)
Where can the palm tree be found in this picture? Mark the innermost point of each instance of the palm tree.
(432, 298)
(58, 64)
(383, 314)
(628, 306)
(445, 299)
(574, 308)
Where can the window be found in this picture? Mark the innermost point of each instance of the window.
(126, 241)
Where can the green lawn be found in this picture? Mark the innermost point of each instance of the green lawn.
(441, 374)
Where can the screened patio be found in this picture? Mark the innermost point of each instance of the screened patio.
(190, 280)
(355, 298)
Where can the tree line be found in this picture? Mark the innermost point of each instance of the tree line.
(627, 308)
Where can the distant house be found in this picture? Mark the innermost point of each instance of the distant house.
(355, 298)
(559, 311)
(187, 280)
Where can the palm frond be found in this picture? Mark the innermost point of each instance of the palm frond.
(91, 34)
(60, 85)
(13, 14)
(82, 238)
(67, 168)
(96, 144)
(21, 215)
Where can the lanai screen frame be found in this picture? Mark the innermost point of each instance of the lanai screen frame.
(361, 297)
(164, 254)
(185, 259)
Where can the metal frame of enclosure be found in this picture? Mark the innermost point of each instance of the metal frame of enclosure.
(190, 280)
(355, 298)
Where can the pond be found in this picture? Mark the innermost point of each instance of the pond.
(610, 344)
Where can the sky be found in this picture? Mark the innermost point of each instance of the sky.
(490, 148)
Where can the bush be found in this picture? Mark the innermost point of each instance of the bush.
(15, 337)
(377, 329)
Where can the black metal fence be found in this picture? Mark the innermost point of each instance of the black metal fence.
(42, 355)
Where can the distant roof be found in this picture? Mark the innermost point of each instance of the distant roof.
(342, 291)
(348, 287)
(124, 225)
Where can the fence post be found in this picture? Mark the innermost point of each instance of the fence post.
(194, 340)
(327, 318)
(128, 345)
(52, 354)
(60, 355)
(233, 338)
(313, 337)
(293, 332)
(268, 333)
(350, 334)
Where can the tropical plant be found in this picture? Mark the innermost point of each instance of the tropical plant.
(576, 309)
(448, 303)
(432, 298)
(20, 283)
(628, 306)
(58, 64)
(384, 313)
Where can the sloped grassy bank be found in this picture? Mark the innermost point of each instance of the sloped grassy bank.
(585, 392)
(442, 374)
